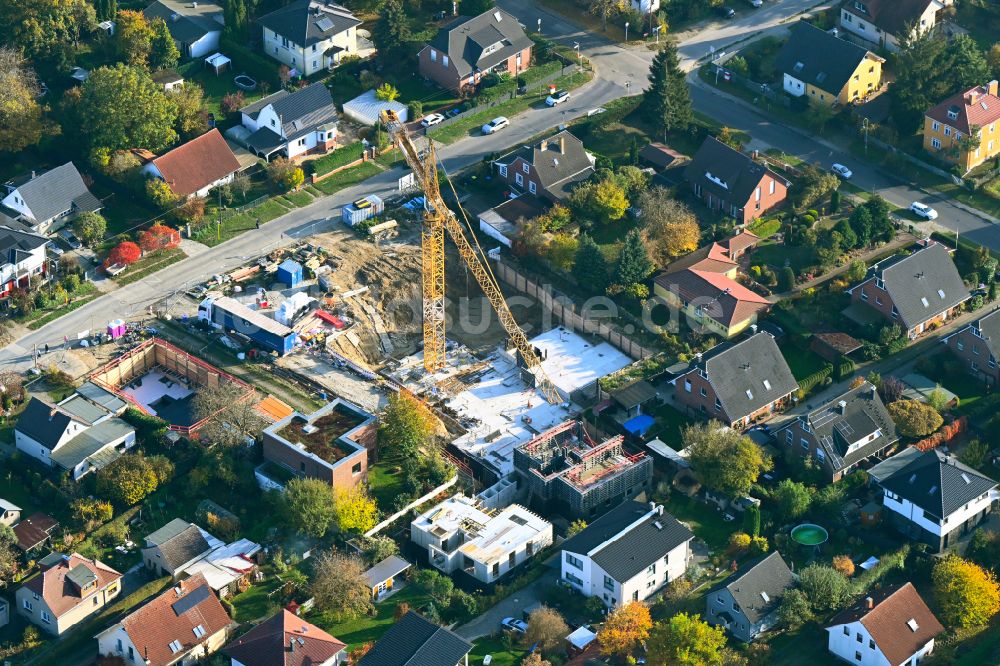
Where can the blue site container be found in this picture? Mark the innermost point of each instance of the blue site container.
(290, 273)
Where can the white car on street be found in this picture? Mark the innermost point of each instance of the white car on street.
(518, 626)
(756, 3)
(557, 97)
(432, 119)
(923, 210)
(495, 125)
(841, 171)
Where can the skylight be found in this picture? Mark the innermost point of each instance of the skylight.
(941, 293)
(912, 624)
(798, 67)
(923, 300)
(498, 16)
(932, 490)
(749, 394)
(199, 631)
(965, 477)
(767, 385)
(763, 595)
(324, 24)
(175, 646)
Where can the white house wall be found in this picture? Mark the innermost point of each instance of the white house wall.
(309, 60)
(793, 86)
(493, 232)
(31, 266)
(845, 646)
(206, 46)
(15, 202)
(916, 515)
(107, 644)
(669, 568)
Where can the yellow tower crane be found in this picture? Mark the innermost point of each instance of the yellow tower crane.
(437, 219)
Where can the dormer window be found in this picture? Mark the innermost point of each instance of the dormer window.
(861, 7)
(953, 114)
(798, 67)
(767, 385)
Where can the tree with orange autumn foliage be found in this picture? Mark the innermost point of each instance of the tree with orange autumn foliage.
(624, 628)
(844, 565)
(158, 237)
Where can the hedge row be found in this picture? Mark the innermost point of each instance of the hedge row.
(815, 379)
(338, 158)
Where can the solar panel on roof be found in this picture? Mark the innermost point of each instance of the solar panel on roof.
(190, 600)
(324, 24)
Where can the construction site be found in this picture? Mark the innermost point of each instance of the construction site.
(565, 470)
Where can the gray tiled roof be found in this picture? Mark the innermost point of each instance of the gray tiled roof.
(184, 547)
(56, 191)
(300, 112)
(559, 160)
(15, 244)
(89, 442)
(415, 641)
(989, 330)
(83, 409)
(306, 22)
(101, 396)
(186, 23)
(738, 372)
(386, 569)
(768, 574)
(740, 173)
(891, 465)
(633, 551)
(465, 40)
(167, 532)
(938, 483)
(928, 275)
(43, 423)
(818, 58)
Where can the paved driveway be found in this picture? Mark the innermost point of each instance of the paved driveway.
(489, 622)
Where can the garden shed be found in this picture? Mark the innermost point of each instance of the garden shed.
(366, 109)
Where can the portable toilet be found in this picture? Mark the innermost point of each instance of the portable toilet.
(290, 273)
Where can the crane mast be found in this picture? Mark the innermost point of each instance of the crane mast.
(437, 219)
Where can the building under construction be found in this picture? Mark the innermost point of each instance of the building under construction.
(564, 468)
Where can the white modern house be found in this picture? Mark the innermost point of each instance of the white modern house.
(627, 554)
(310, 35)
(460, 536)
(885, 22)
(45, 200)
(937, 500)
(892, 627)
(292, 124)
(195, 26)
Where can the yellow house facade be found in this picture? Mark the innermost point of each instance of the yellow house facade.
(826, 69)
(965, 128)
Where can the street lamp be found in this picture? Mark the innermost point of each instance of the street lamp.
(626, 31)
(539, 26)
(579, 63)
(656, 31)
(864, 126)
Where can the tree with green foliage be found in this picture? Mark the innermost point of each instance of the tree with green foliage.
(435, 585)
(9, 556)
(786, 279)
(106, 9)
(794, 609)
(826, 588)
(667, 100)
(22, 121)
(724, 460)
(967, 594)
(132, 477)
(163, 52)
(90, 228)
(835, 201)
(576, 527)
(600, 201)
(391, 32)
(751, 520)
(589, 267)
(307, 506)
(686, 640)
(475, 7)
(914, 418)
(46, 30)
(237, 18)
(406, 428)
(285, 175)
(633, 265)
(121, 107)
(133, 38)
(791, 499)
(192, 110)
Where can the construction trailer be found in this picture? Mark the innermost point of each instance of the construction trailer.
(569, 472)
(231, 315)
(362, 209)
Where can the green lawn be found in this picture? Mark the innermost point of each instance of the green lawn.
(386, 484)
(802, 362)
(806, 646)
(497, 647)
(348, 177)
(705, 521)
(765, 228)
(152, 262)
(257, 601)
(212, 233)
(300, 198)
(361, 630)
(778, 255)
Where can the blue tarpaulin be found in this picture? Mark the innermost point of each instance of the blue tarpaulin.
(639, 425)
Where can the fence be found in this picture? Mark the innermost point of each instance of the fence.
(415, 503)
(561, 307)
(913, 160)
(772, 92)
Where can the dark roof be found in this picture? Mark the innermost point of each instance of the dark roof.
(559, 160)
(759, 585)
(34, 530)
(899, 621)
(167, 532)
(56, 191)
(894, 463)
(660, 155)
(43, 422)
(921, 285)
(891, 16)
(284, 640)
(185, 22)
(466, 39)
(92, 444)
(740, 173)
(738, 372)
(386, 569)
(17, 245)
(818, 58)
(307, 22)
(641, 537)
(937, 483)
(988, 327)
(634, 394)
(184, 547)
(848, 419)
(300, 112)
(416, 641)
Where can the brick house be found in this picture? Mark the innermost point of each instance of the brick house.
(467, 49)
(737, 384)
(978, 346)
(67, 590)
(548, 169)
(330, 444)
(918, 291)
(731, 182)
(842, 434)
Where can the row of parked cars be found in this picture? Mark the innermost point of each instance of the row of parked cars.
(500, 122)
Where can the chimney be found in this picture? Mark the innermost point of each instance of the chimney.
(659, 510)
(545, 145)
(973, 97)
(842, 406)
(562, 144)
(993, 88)
(291, 644)
(869, 603)
(52, 413)
(753, 328)
(652, 506)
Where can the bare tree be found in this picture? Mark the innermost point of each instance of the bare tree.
(547, 629)
(339, 585)
(232, 417)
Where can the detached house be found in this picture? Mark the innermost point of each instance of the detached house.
(885, 22)
(194, 168)
(67, 590)
(45, 200)
(414, 640)
(195, 26)
(973, 114)
(181, 626)
(81, 434)
(22, 256)
(737, 383)
(310, 35)
(746, 603)
(732, 183)
(843, 433)
(825, 68)
(175, 546)
(286, 640)
(936, 500)
(291, 123)
(467, 49)
(918, 291)
(549, 169)
(891, 627)
(978, 346)
(628, 554)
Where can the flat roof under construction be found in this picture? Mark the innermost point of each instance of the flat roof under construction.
(572, 362)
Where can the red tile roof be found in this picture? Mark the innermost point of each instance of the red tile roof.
(196, 164)
(166, 618)
(740, 242)
(62, 596)
(722, 298)
(977, 106)
(284, 640)
(34, 530)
